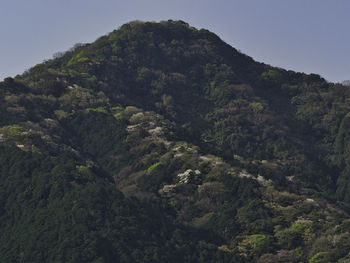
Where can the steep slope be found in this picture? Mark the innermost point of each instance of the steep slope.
(160, 143)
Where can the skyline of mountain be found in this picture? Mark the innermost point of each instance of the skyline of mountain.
(268, 31)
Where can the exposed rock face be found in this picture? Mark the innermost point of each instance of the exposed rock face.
(189, 176)
(169, 190)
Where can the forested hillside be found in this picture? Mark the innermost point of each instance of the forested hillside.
(161, 143)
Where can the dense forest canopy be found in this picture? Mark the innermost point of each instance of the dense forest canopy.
(161, 143)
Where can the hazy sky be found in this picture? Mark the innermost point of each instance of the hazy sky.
(303, 35)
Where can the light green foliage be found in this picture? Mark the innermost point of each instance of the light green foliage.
(130, 110)
(256, 106)
(136, 118)
(119, 115)
(93, 79)
(61, 114)
(78, 58)
(320, 257)
(118, 112)
(98, 109)
(117, 108)
(83, 170)
(272, 74)
(15, 131)
(293, 236)
(259, 244)
(153, 167)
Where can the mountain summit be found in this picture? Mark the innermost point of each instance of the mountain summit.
(161, 143)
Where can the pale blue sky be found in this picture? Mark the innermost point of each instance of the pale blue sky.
(303, 35)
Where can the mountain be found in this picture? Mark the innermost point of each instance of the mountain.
(161, 143)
